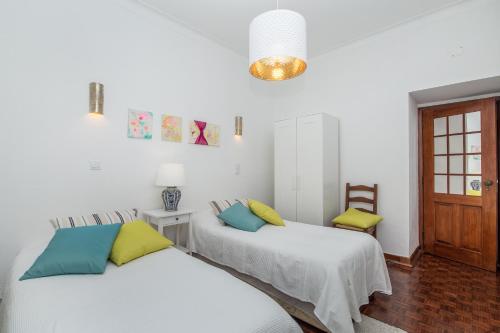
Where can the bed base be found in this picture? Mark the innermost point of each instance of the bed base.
(301, 310)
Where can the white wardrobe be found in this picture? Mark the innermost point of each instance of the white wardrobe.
(306, 169)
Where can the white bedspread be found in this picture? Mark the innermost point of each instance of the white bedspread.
(167, 291)
(336, 270)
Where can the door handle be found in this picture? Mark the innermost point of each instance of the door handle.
(488, 183)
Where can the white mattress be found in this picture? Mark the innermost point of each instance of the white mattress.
(336, 270)
(167, 291)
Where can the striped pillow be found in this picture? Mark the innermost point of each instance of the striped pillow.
(219, 206)
(111, 217)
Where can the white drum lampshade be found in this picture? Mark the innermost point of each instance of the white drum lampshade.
(171, 175)
(278, 45)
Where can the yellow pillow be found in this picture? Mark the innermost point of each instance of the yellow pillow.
(136, 239)
(265, 212)
(356, 218)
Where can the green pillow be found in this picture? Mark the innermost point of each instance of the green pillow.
(240, 217)
(356, 218)
(81, 250)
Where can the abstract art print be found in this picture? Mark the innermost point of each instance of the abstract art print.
(140, 124)
(171, 128)
(202, 133)
(212, 134)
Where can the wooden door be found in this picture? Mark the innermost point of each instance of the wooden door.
(310, 169)
(459, 158)
(285, 168)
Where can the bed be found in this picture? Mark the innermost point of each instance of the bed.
(336, 270)
(167, 291)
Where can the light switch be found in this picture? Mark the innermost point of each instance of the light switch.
(95, 165)
(237, 169)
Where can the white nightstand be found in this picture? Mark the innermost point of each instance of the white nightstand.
(162, 218)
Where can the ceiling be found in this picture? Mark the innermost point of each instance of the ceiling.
(330, 23)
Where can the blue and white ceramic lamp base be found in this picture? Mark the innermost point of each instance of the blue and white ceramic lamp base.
(171, 197)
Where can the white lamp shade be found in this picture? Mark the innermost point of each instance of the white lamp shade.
(278, 45)
(171, 174)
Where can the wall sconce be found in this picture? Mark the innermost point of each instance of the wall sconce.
(238, 126)
(96, 98)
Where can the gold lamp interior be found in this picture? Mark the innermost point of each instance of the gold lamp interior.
(96, 98)
(278, 68)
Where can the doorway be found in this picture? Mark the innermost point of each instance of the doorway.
(459, 182)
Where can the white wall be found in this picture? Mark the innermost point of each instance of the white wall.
(51, 50)
(367, 85)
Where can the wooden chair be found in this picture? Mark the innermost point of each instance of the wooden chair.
(358, 199)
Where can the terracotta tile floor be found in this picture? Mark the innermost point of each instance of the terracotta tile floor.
(438, 295)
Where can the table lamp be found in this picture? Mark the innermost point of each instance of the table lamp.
(171, 175)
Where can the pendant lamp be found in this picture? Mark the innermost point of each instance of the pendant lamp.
(278, 45)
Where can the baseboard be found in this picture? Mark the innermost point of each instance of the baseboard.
(404, 262)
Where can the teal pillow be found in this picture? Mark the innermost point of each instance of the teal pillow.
(240, 217)
(82, 250)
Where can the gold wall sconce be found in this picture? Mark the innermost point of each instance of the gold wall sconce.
(96, 98)
(238, 126)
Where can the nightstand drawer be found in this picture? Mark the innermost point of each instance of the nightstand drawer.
(173, 220)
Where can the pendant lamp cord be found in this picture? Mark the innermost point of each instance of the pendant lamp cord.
(277, 4)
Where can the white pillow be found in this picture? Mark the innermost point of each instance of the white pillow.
(218, 206)
(110, 217)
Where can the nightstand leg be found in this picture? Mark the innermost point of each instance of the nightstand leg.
(177, 232)
(160, 228)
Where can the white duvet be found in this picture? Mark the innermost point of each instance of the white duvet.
(167, 291)
(336, 270)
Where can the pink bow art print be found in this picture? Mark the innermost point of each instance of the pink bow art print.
(203, 133)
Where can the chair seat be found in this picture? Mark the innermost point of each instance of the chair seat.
(358, 219)
(371, 230)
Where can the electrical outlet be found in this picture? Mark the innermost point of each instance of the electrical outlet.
(95, 165)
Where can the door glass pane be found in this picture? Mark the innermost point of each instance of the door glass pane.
(455, 124)
(473, 121)
(473, 185)
(456, 184)
(456, 144)
(457, 164)
(473, 143)
(474, 164)
(440, 145)
(440, 184)
(440, 126)
(440, 164)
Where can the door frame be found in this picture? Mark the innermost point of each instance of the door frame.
(421, 174)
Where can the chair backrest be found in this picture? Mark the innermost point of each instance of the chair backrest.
(360, 199)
